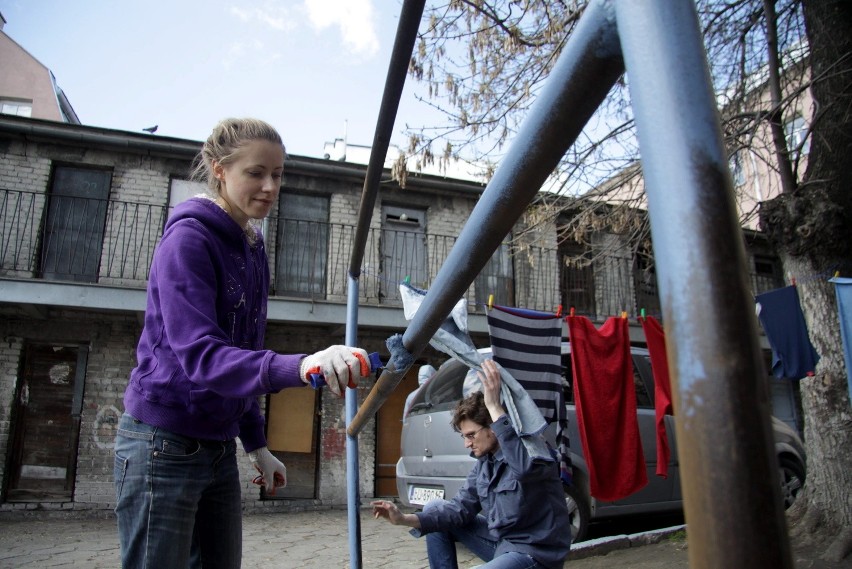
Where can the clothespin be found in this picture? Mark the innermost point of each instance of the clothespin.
(559, 311)
(490, 301)
(571, 311)
(624, 314)
(793, 281)
(642, 314)
(407, 279)
(837, 274)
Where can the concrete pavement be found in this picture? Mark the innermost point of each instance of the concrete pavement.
(280, 540)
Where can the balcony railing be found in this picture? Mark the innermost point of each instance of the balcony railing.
(51, 237)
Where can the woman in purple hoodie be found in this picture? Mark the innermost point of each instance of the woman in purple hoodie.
(201, 366)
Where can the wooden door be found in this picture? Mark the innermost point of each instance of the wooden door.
(46, 423)
(292, 437)
(388, 432)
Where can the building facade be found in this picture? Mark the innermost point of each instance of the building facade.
(81, 211)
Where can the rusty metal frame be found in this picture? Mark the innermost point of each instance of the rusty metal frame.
(730, 480)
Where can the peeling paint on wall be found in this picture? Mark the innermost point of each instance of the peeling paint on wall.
(105, 427)
(60, 374)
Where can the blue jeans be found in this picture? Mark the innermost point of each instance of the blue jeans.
(177, 499)
(441, 549)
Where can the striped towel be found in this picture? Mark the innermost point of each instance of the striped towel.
(527, 344)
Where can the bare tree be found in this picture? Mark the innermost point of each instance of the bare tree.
(482, 62)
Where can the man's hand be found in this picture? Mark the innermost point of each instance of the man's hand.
(389, 511)
(490, 378)
(341, 366)
(273, 473)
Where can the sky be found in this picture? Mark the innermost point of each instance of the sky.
(314, 69)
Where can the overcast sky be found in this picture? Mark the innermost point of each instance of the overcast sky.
(312, 68)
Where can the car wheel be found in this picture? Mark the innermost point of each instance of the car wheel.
(579, 512)
(792, 479)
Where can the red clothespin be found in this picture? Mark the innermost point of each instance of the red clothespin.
(559, 311)
(793, 281)
(571, 311)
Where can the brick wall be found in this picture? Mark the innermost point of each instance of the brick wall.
(112, 341)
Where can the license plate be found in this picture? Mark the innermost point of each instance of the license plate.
(420, 496)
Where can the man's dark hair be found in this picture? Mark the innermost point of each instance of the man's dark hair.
(472, 408)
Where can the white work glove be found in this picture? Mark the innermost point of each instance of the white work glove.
(273, 473)
(341, 366)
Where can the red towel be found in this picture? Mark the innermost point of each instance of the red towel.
(606, 407)
(656, 340)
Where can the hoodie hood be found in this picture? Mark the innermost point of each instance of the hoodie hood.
(209, 213)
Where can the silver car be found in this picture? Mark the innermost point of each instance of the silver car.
(434, 463)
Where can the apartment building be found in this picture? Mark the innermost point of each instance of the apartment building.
(27, 87)
(81, 210)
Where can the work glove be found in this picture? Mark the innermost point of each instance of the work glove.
(273, 473)
(340, 366)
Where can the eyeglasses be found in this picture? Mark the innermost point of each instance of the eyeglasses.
(470, 436)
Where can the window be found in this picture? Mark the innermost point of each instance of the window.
(16, 107)
(73, 235)
(301, 251)
(403, 250)
(766, 274)
(577, 278)
(497, 278)
(645, 282)
(182, 190)
(796, 131)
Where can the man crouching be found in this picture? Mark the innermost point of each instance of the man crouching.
(511, 511)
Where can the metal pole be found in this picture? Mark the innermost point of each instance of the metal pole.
(586, 70)
(730, 481)
(353, 478)
(406, 33)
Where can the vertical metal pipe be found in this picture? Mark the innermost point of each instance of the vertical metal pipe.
(353, 475)
(588, 67)
(406, 33)
(730, 482)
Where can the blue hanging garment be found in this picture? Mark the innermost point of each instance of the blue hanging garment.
(780, 314)
(843, 290)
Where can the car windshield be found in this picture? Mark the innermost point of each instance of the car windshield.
(442, 391)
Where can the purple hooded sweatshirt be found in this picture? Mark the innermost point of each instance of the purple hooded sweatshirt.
(200, 363)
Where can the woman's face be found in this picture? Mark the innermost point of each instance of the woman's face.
(249, 185)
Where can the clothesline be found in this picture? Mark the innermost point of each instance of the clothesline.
(833, 271)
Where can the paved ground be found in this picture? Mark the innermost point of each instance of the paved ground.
(320, 540)
(283, 540)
